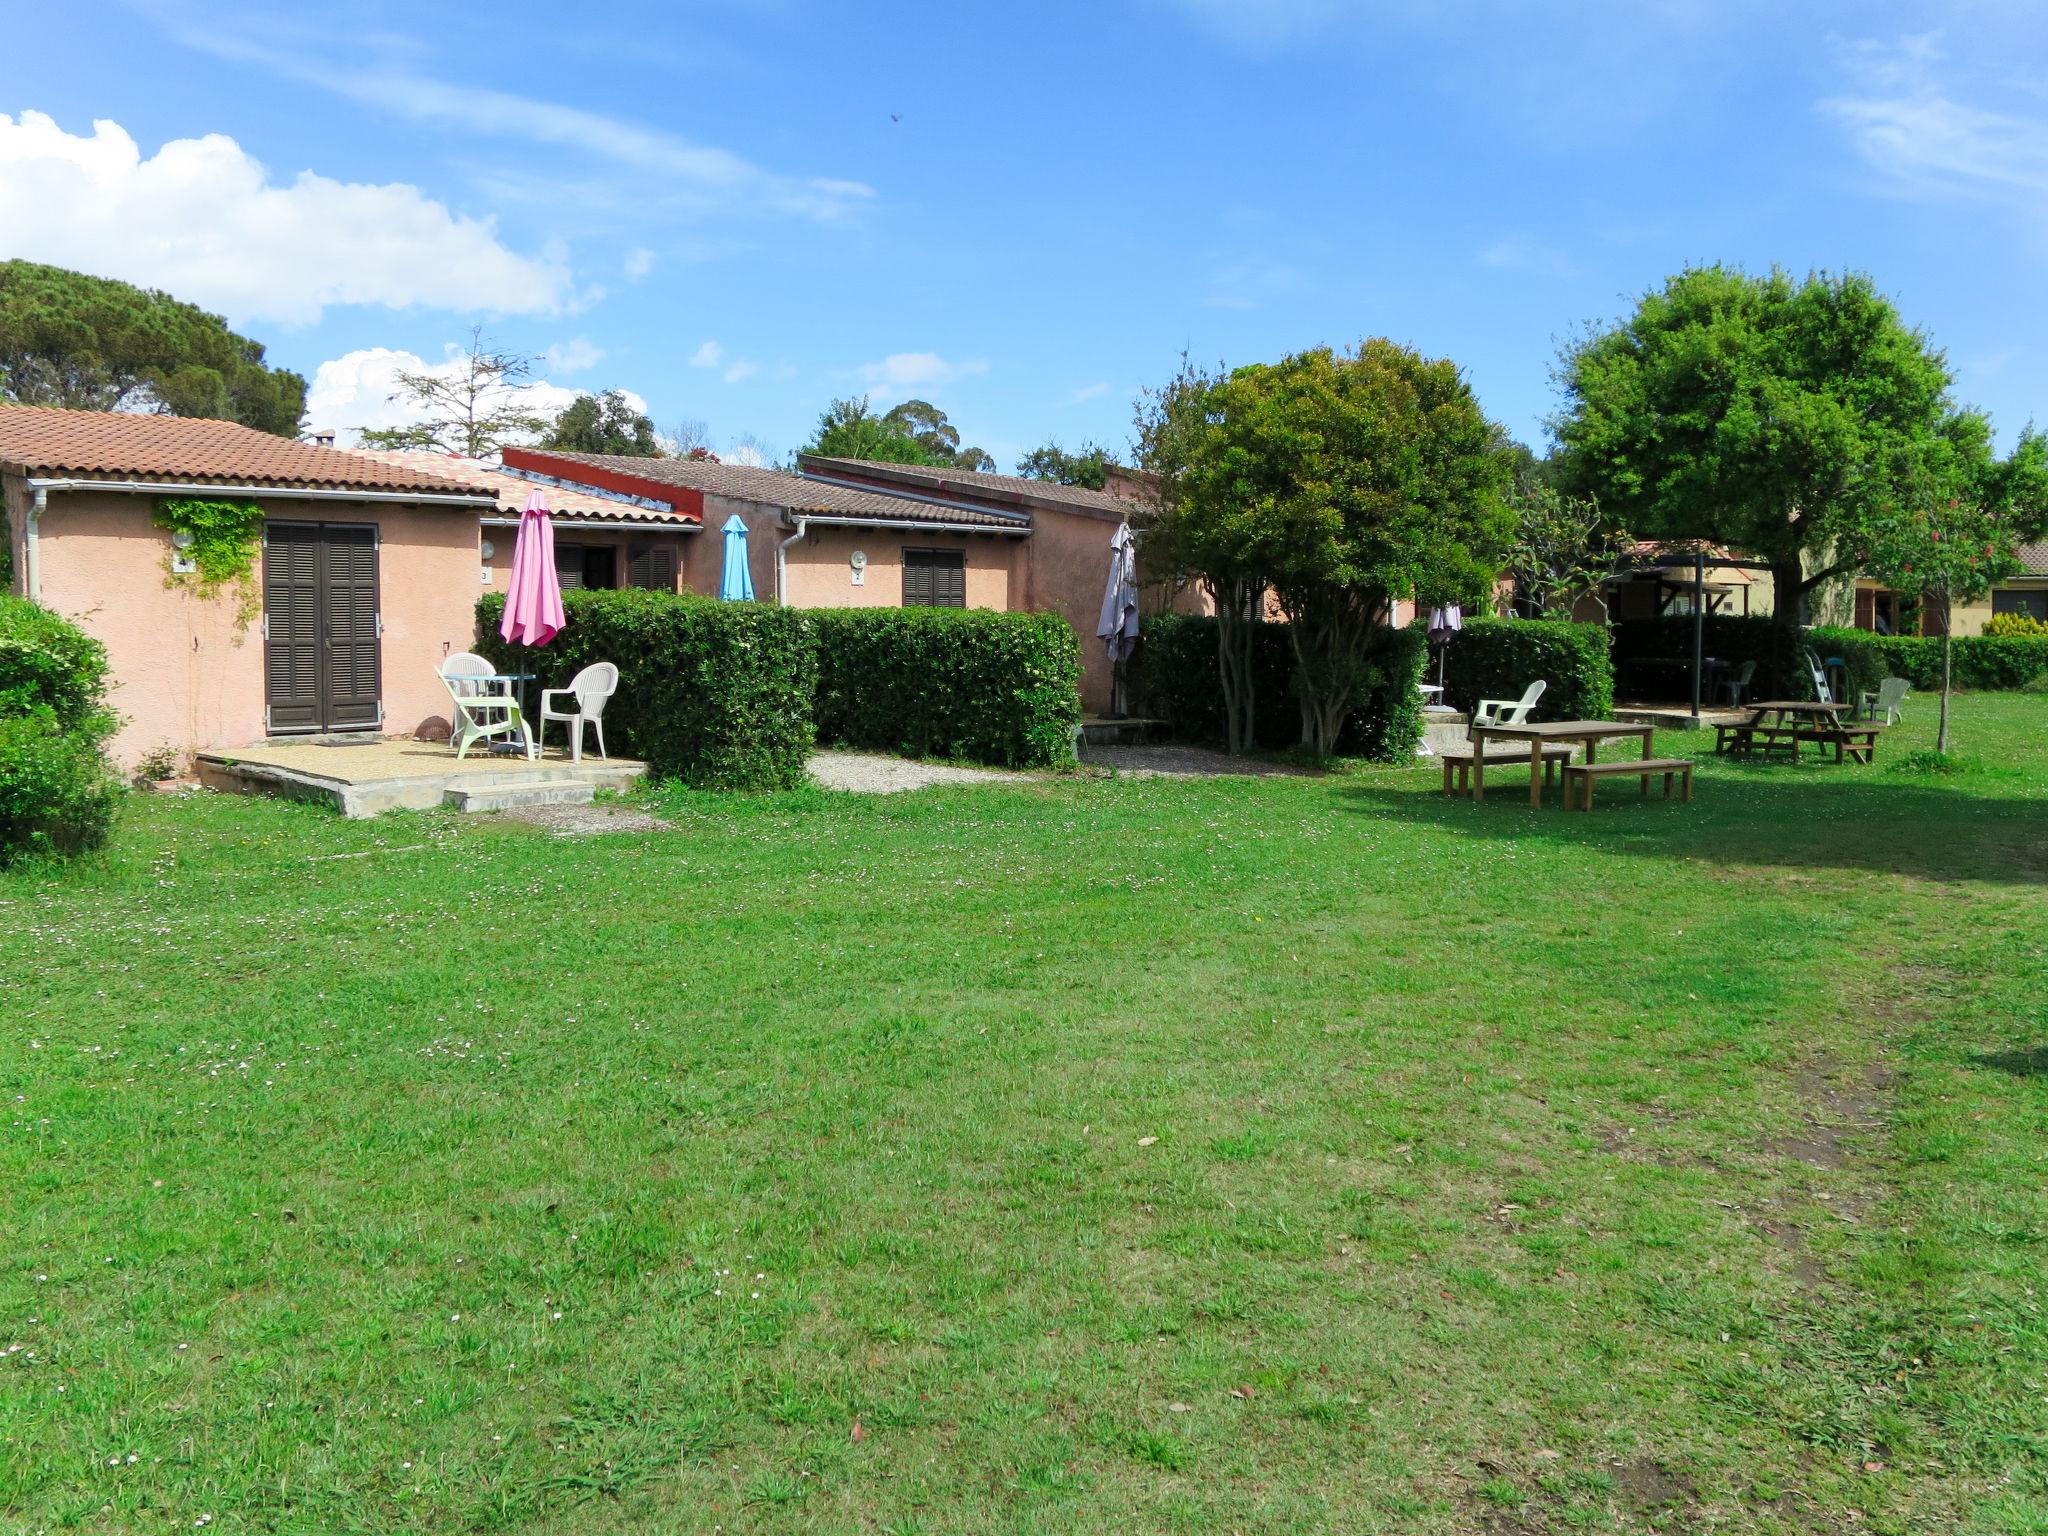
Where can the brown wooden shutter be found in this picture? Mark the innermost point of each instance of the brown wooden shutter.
(651, 566)
(350, 594)
(569, 565)
(291, 625)
(935, 578)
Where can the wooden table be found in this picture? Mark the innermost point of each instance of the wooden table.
(1547, 733)
(1778, 721)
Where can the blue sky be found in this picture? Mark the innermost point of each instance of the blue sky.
(739, 210)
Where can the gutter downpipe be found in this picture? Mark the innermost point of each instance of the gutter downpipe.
(782, 564)
(31, 554)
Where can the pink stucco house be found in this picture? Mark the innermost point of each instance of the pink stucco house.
(854, 533)
(368, 575)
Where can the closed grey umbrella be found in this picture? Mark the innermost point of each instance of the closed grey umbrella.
(1117, 629)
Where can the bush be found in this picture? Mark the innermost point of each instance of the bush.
(56, 795)
(1173, 677)
(2004, 624)
(51, 665)
(1499, 658)
(2038, 683)
(718, 695)
(1000, 688)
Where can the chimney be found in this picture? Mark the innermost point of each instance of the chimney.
(322, 439)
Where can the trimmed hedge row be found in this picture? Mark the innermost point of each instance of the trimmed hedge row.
(1499, 658)
(715, 694)
(1979, 661)
(57, 795)
(734, 695)
(1000, 688)
(1173, 677)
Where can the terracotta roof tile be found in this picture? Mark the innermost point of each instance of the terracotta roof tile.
(972, 485)
(190, 450)
(512, 489)
(772, 487)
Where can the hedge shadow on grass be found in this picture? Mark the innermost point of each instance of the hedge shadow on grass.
(1752, 818)
(2033, 1063)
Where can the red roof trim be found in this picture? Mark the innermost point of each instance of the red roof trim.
(683, 501)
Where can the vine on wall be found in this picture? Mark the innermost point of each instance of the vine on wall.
(226, 542)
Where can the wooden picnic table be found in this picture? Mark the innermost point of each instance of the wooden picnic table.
(1778, 722)
(1540, 734)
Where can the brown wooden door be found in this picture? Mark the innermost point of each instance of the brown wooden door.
(322, 656)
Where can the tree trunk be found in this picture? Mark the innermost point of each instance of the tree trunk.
(1327, 631)
(1788, 591)
(1235, 628)
(1947, 651)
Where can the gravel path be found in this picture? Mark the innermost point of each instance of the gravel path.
(1184, 762)
(869, 773)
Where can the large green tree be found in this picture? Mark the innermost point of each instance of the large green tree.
(1087, 466)
(1340, 482)
(849, 429)
(95, 344)
(1771, 414)
(927, 425)
(605, 423)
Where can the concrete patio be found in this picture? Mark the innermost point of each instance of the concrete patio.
(364, 777)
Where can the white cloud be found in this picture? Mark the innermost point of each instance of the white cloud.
(908, 370)
(700, 173)
(1090, 392)
(639, 262)
(741, 370)
(354, 391)
(201, 219)
(1525, 253)
(710, 355)
(1907, 125)
(577, 355)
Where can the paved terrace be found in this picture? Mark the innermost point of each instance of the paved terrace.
(364, 778)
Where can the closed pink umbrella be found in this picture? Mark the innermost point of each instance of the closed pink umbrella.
(533, 605)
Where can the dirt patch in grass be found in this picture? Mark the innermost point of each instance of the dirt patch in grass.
(1790, 1237)
(1646, 1486)
(586, 820)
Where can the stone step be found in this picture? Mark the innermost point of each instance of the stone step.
(505, 797)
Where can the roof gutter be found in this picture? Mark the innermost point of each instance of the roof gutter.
(1024, 518)
(293, 493)
(924, 527)
(571, 520)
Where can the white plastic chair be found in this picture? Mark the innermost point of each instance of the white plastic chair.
(1509, 711)
(479, 714)
(1889, 695)
(589, 688)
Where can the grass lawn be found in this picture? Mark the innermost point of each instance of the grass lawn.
(1268, 1156)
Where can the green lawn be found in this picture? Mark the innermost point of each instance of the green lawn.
(1267, 1156)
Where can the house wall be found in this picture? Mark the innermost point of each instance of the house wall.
(820, 566)
(185, 673)
(503, 541)
(1066, 568)
(705, 568)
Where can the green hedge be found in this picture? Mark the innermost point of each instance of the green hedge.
(1980, 661)
(1000, 688)
(1173, 677)
(1499, 658)
(718, 695)
(57, 795)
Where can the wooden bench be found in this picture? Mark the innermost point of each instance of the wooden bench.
(1458, 762)
(1856, 742)
(1644, 768)
(1748, 737)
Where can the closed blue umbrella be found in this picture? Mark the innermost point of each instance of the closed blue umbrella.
(736, 584)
